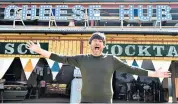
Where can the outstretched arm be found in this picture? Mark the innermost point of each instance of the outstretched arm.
(72, 60)
(124, 67)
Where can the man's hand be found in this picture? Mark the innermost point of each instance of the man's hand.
(36, 48)
(160, 74)
(165, 74)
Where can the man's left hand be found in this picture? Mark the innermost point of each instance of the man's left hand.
(160, 74)
(163, 74)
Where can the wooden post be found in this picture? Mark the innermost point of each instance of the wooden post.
(81, 47)
(171, 84)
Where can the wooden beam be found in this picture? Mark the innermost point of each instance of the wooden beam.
(171, 83)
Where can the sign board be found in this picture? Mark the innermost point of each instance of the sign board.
(18, 48)
(142, 50)
(79, 12)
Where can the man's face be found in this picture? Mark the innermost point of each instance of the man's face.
(97, 47)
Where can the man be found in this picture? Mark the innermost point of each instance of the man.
(97, 69)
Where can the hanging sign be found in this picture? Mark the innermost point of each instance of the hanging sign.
(18, 48)
(79, 12)
(142, 50)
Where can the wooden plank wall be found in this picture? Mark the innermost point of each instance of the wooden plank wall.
(63, 44)
(72, 44)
